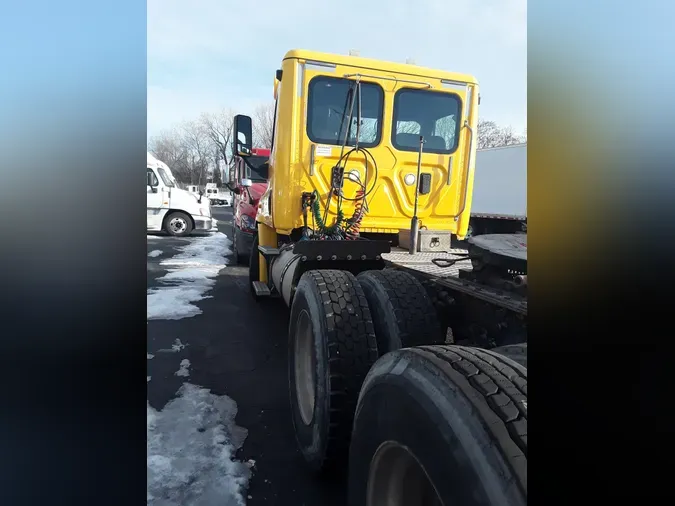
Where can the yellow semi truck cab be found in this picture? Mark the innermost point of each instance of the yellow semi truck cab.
(392, 105)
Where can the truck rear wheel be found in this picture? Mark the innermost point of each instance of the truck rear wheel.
(178, 224)
(402, 311)
(440, 425)
(331, 348)
(238, 257)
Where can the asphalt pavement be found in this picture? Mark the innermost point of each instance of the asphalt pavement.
(239, 349)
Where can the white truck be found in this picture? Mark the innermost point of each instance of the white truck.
(175, 211)
(218, 196)
(195, 190)
(499, 203)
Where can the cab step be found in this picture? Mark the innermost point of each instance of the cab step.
(261, 289)
(268, 251)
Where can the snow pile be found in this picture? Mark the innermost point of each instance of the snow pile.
(184, 368)
(191, 447)
(191, 275)
(155, 253)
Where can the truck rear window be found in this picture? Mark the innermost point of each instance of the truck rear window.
(433, 114)
(328, 111)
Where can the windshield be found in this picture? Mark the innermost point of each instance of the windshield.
(256, 168)
(165, 177)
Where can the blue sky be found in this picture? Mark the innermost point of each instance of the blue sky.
(204, 55)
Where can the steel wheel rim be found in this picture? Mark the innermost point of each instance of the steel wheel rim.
(396, 478)
(177, 225)
(305, 361)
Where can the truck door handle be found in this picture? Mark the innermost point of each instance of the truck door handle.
(449, 182)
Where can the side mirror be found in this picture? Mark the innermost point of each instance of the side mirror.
(242, 143)
(152, 189)
(246, 183)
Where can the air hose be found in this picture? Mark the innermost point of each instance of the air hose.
(335, 229)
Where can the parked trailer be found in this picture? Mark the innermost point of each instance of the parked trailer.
(397, 367)
(500, 190)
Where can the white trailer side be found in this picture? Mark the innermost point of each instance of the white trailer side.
(500, 183)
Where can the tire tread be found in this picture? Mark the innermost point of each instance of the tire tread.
(411, 306)
(499, 394)
(352, 350)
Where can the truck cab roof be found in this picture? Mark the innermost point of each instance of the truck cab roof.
(381, 65)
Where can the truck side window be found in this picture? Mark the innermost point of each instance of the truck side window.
(152, 179)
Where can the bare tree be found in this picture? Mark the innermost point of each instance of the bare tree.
(263, 126)
(169, 147)
(216, 174)
(491, 135)
(187, 150)
(218, 127)
(197, 145)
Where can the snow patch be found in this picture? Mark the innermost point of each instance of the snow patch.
(173, 303)
(191, 447)
(155, 253)
(148, 379)
(191, 274)
(175, 347)
(184, 368)
(148, 356)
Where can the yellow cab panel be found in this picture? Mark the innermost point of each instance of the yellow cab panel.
(396, 104)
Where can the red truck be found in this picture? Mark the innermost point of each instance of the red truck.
(248, 181)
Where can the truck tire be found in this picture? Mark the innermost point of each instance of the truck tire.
(331, 348)
(443, 422)
(516, 352)
(238, 257)
(402, 311)
(178, 224)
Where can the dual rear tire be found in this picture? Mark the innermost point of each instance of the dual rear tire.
(429, 424)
